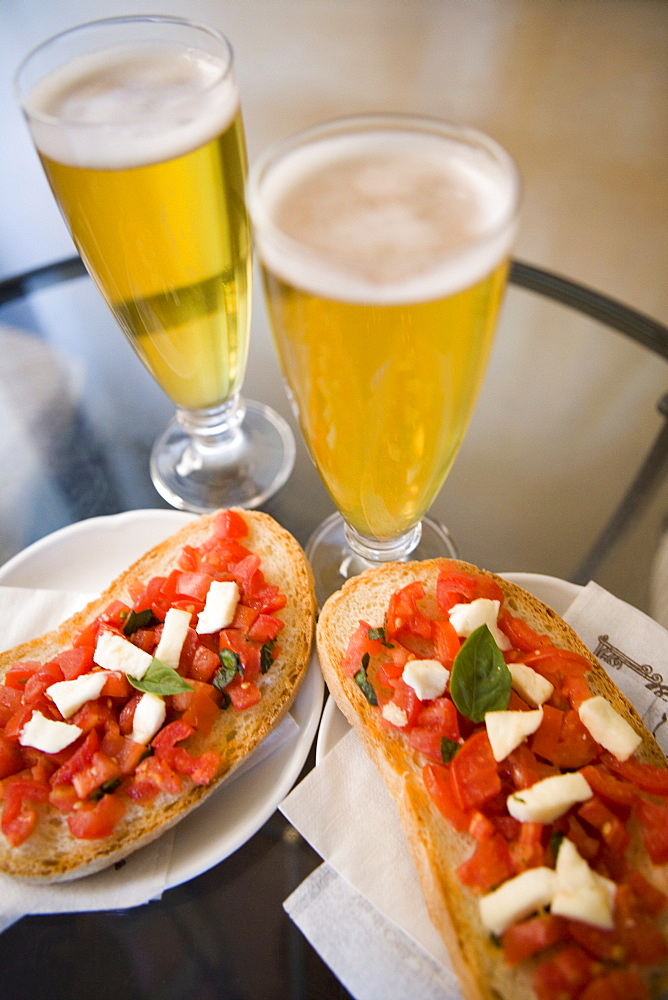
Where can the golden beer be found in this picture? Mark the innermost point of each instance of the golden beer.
(155, 205)
(383, 299)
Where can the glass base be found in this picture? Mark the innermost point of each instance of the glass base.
(236, 456)
(333, 561)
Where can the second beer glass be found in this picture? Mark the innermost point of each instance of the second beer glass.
(384, 243)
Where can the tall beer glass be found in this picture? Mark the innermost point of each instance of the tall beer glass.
(138, 126)
(384, 244)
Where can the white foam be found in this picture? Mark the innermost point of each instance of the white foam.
(131, 106)
(400, 216)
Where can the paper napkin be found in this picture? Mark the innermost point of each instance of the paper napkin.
(362, 910)
(142, 876)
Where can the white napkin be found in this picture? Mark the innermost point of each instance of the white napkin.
(363, 910)
(142, 876)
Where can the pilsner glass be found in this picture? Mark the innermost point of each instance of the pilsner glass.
(384, 242)
(138, 126)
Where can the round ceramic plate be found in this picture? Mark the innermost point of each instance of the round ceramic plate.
(558, 594)
(85, 557)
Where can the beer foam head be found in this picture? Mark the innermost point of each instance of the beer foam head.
(385, 216)
(130, 106)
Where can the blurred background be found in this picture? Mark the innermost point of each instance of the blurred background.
(577, 91)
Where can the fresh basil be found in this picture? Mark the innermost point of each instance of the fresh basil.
(267, 656)
(138, 619)
(379, 633)
(363, 682)
(448, 749)
(480, 681)
(106, 788)
(230, 666)
(161, 679)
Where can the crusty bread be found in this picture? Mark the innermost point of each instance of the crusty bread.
(51, 853)
(436, 848)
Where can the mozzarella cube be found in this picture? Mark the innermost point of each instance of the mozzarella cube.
(113, 652)
(394, 714)
(174, 631)
(529, 684)
(428, 678)
(148, 718)
(608, 727)
(221, 603)
(466, 618)
(69, 696)
(548, 799)
(506, 730)
(48, 735)
(581, 893)
(515, 899)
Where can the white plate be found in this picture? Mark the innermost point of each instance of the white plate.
(558, 594)
(86, 557)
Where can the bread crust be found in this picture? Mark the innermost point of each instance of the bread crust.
(436, 848)
(51, 853)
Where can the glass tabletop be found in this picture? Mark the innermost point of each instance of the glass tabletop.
(562, 473)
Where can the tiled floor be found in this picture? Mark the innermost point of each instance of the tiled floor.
(578, 92)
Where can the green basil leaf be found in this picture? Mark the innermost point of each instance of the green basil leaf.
(480, 680)
(161, 679)
(138, 619)
(379, 633)
(448, 749)
(105, 789)
(266, 656)
(230, 666)
(363, 683)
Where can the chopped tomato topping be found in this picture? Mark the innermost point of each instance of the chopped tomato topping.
(521, 941)
(94, 821)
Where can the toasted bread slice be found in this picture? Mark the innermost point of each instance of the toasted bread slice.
(436, 847)
(51, 853)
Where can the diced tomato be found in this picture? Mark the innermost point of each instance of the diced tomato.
(64, 797)
(521, 941)
(456, 587)
(17, 721)
(647, 777)
(10, 702)
(19, 673)
(116, 685)
(170, 735)
(127, 714)
(441, 716)
(559, 661)
(92, 715)
(650, 899)
(474, 772)
(204, 664)
(446, 641)
(564, 975)
(620, 984)
(199, 707)
(654, 821)
(36, 685)
(158, 772)
(426, 741)
(520, 634)
(231, 524)
(588, 847)
(243, 694)
(115, 614)
(146, 638)
(613, 790)
(248, 652)
(610, 828)
(80, 759)
(359, 646)
(573, 748)
(643, 941)
(577, 690)
(522, 767)
(438, 782)
(244, 617)
(11, 758)
(18, 821)
(528, 851)
(546, 738)
(194, 585)
(150, 595)
(100, 770)
(490, 864)
(75, 662)
(201, 769)
(406, 699)
(404, 614)
(94, 822)
(265, 628)
(480, 826)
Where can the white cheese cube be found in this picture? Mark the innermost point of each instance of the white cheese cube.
(394, 714)
(506, 730)
(581, 893)
(69, 696)
(529, 684)
(174, 631)
(527, 892)
(113, 652)
(428, 678)
(466, 618)
(609, 728)
(548, 799)
(48, 735)
(221, 603)
(148, 718)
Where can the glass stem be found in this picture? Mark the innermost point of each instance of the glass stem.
(375, 550)
(215, 426)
